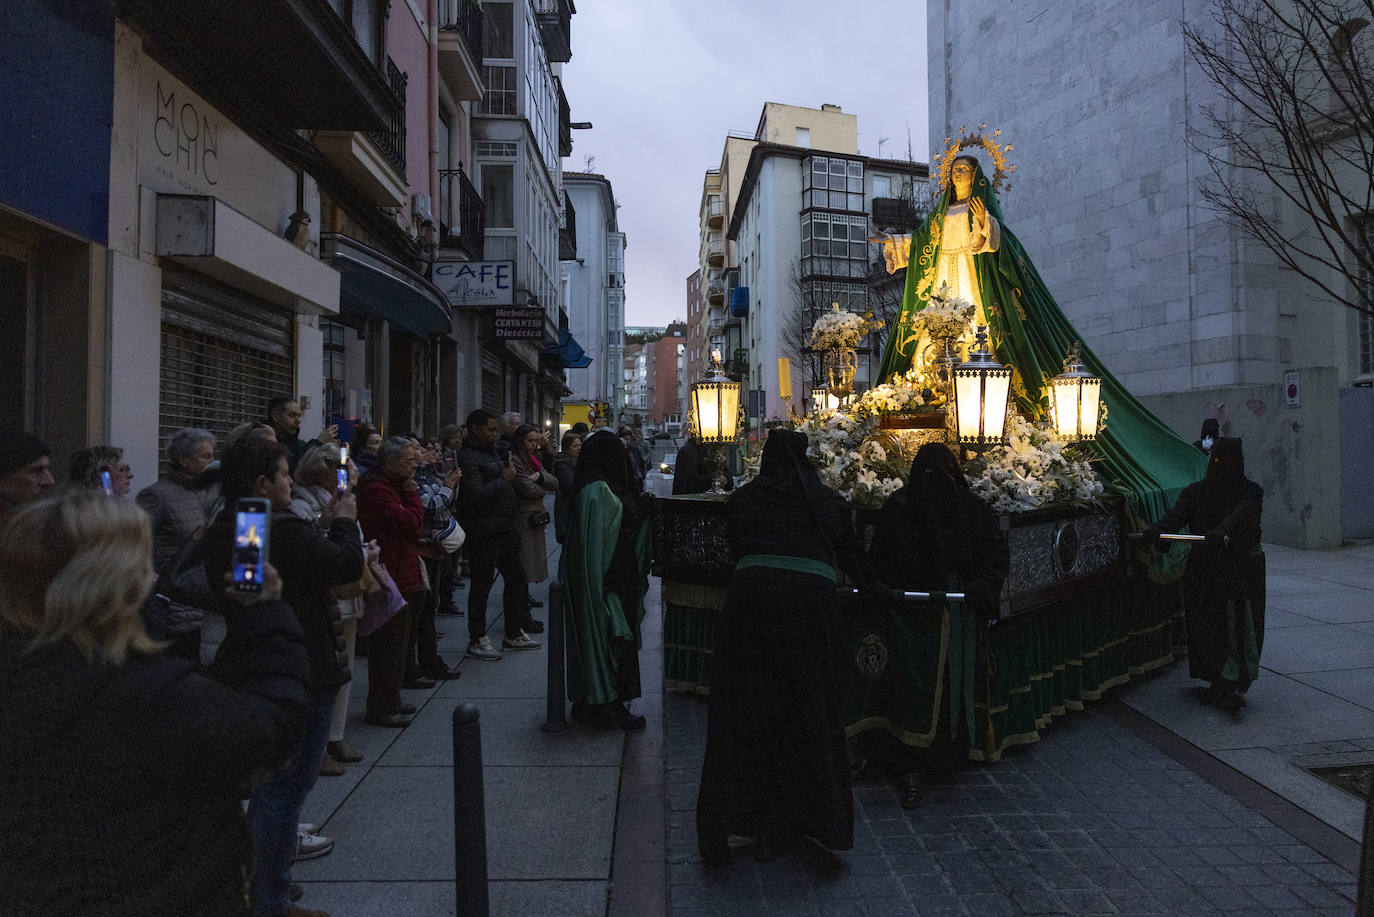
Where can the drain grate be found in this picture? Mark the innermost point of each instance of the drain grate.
(1355, 779)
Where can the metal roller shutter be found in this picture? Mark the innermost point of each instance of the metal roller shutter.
(224, 355)
(493, 384)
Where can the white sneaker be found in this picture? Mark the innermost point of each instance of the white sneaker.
(306, 827)
(309, 846)
(482, 649)
(521, 641)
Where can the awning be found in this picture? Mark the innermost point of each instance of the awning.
(567, 352)
(375, 286)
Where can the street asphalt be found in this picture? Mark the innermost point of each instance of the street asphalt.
(1145, 803)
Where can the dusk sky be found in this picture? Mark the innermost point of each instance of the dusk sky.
(662, 81)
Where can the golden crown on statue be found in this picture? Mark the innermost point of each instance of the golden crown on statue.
(988, 142)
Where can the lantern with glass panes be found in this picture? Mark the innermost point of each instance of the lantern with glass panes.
(1075, 395)
(981, 386)
(715, 409)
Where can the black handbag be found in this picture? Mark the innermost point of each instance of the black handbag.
(184, 581)
(539, 519)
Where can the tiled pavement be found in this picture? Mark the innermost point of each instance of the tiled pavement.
(1093, 819)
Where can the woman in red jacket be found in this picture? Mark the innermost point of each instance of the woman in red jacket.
(390, 512)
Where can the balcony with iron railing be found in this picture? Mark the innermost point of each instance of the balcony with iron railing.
(375, 161)
(462, 214)
(555, 28)
(460, 47)
(715, 251)
(565, 144)
(567, 231)
(297, 64)
(392, 141)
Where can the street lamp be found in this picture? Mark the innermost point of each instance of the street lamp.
(981, 386)
(1074, 397)
(715, 405)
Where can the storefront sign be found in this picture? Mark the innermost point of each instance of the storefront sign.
(519, 323)
(476, 283)
(185, 146)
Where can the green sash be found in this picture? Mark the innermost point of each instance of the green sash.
(788, 562)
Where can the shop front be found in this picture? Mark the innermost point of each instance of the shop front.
(217, 292)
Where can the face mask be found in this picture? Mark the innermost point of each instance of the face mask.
(1207, 442)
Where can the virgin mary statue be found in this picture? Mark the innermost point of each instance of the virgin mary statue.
(965, 247)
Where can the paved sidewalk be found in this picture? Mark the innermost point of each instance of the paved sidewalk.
(1313, 703)
(551, 799)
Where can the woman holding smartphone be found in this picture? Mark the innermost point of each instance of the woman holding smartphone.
(324, 472)
(310, 561)
(83, 683)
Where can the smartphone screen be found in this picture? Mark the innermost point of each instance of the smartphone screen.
(341, 479)
(106, 484)
(250, 544)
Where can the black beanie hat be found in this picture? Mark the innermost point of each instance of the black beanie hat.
(18, 450)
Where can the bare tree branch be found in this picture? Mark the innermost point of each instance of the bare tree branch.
(1295, 127)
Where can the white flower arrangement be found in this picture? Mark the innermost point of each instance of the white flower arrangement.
(903, 395)
(1032, 471)
(853, 458)
(945, 317)
(840, 328)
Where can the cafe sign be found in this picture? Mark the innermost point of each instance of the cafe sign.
(476, 283)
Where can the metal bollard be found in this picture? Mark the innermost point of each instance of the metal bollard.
(557, 692)
(469, 815)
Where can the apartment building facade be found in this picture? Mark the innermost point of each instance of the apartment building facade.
(595, 302)
(521, 131)
(189, 233)
(799, 230)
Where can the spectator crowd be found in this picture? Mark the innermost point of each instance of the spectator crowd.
(159, 712)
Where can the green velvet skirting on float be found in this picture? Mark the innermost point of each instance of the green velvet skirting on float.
(905, 666)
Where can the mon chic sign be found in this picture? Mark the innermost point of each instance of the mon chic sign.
(520, 323)
(185, 146)
(476, 283)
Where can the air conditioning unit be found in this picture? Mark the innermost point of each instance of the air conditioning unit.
(420, 206)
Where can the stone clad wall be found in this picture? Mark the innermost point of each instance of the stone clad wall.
(1099, 100)
(1104, 198)
(1293, 453)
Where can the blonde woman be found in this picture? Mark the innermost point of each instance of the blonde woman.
(99, 729)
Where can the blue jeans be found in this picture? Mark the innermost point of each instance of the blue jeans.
(275, 810)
